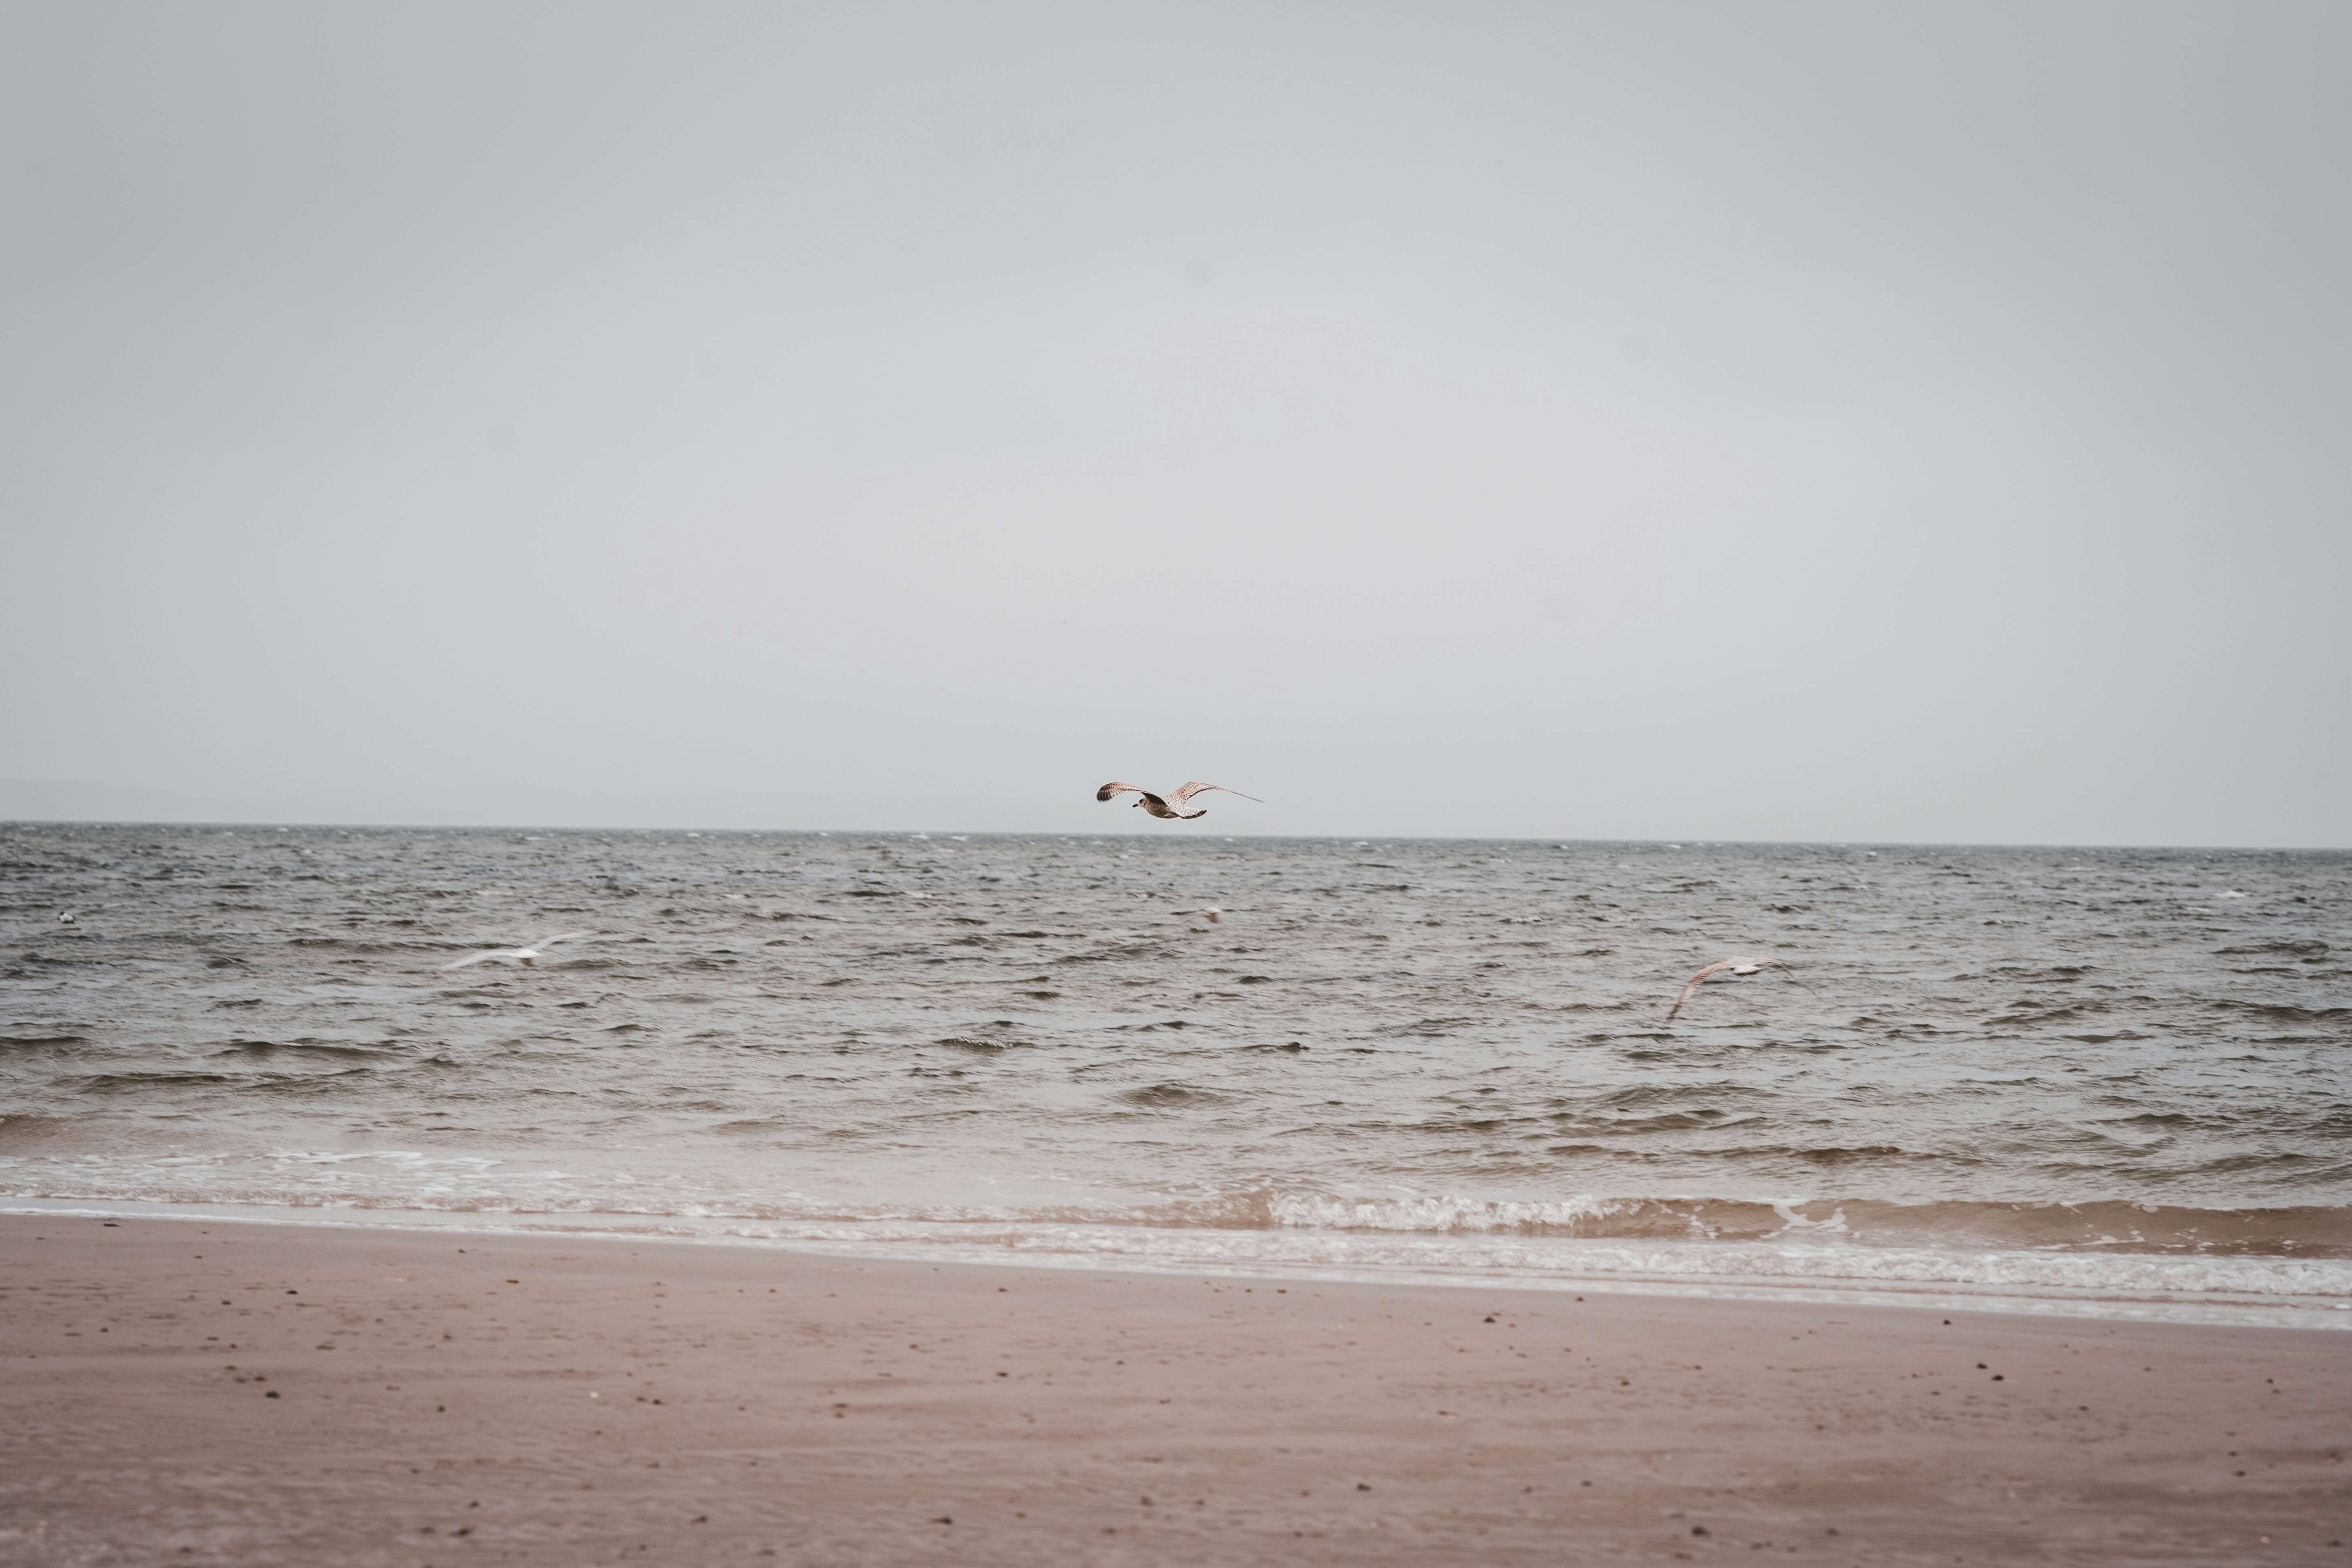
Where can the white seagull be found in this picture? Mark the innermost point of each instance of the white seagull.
(66, 918)
(522, 955)
(1743, 967)
(1211, 914)
(1167, 806)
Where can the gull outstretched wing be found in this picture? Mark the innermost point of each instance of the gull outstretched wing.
(1183, 796)
(1695, 981)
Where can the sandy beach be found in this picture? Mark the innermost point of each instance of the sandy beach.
(183, 1392)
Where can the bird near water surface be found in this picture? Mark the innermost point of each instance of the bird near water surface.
(1740, 967)
(522, 955)
(1168, 806)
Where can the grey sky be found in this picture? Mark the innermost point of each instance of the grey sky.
(1775, 421)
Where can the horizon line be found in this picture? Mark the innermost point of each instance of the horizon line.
(1561, 839)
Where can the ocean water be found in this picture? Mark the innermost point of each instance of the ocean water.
(2082, 1080)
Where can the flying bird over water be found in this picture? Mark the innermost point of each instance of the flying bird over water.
(522, 955)
(1742, 967)
(1168, 805)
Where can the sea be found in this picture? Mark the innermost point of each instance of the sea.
(2096, 1082)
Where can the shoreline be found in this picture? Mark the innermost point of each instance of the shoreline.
(2219, 1310)
(433, 1406)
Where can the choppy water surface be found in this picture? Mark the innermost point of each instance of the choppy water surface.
(2094, 1080)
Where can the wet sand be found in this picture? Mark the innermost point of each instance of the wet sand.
(187, 1392)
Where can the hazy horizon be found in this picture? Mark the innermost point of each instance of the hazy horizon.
(1819, 422)
(53, 805)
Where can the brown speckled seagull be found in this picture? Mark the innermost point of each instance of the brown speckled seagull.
(1168, 805)
(1742, 967)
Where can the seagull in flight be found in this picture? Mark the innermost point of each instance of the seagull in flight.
(1742, 967)
(522, 955)
(1169, 806)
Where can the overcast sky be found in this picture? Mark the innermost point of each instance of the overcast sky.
(1693, 421)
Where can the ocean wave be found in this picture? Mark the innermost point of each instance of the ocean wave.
(484, 1183)
(326, 1050)
(2304, 1231)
